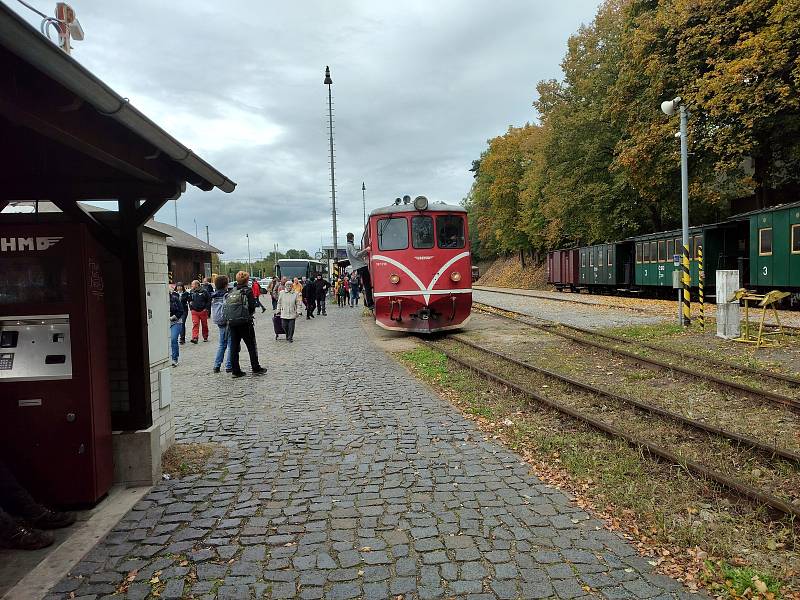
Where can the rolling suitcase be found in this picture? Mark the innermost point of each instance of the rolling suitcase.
(277, 324)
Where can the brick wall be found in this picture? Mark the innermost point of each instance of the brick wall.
(155, 271)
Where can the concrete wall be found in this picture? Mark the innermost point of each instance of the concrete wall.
(137, 455)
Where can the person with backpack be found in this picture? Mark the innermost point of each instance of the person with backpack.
(308, 294)
(218, 318)
(289, 307)
(238, 309)
(199, 303)
(257, 295)
(175, 315)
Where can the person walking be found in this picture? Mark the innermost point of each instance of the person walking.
(308, 294)
(289, 307)
(199, 303)
(218, 318)
(184, 297)
(359, 264)
(321, 287)
(298, 287)
(355, 290)
(175, 324)
(257, 295)
(238, 310)
(273, 290)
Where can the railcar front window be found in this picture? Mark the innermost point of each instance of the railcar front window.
(450, 231)
(765, 241)
(393, 233)
(422, 232)
(796, 239)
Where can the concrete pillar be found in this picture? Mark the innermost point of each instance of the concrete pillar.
(728, 313)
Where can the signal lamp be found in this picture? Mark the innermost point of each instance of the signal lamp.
(394, 278)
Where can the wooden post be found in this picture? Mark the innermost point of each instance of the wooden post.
(134, 305)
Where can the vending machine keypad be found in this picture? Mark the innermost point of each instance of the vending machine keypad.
(6, 361)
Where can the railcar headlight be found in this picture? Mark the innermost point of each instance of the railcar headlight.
(420, 203)
(394, 278)
(455, 276)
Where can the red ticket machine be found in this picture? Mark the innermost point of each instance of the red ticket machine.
(55, 414)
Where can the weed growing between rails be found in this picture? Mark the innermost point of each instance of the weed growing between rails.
(690, 530)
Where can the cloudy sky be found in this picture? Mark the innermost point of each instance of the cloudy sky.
(419, 86)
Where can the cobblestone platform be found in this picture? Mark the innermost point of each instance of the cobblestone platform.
(346, 478)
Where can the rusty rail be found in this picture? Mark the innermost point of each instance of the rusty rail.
(729, 483)
(774, 397)
(649, 408)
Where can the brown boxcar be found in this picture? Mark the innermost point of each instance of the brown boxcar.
(562, 269)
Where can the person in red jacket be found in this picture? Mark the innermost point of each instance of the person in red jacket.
(257, 294)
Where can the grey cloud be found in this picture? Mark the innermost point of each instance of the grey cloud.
(418, 89)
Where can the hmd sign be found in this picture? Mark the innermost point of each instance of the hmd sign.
(23, 244)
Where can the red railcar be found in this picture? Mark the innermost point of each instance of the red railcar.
(562, 269)
(420, 265)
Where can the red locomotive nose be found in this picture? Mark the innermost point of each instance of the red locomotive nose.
(420, 255)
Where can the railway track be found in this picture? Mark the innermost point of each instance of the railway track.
(728, 482)
(581, 336)
(646, 311)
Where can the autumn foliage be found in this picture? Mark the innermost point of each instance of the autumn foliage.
(602, 162)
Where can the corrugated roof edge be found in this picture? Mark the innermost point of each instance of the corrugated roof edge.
(24, 41)
(784, 206)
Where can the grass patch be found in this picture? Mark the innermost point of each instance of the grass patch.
(647, 332)
(181, 460)
(741, 582)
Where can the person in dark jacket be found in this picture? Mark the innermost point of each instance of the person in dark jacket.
(184, 298)
(244, 332)
(199, 303)
(176, 317)
(309, 297)
(321, 287)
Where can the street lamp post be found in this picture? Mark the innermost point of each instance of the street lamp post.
(668, 107)
(364, 201)
(249, 266)
(329, 82)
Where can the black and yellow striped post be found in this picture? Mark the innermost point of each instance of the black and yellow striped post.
(687, 283)
(701, 283)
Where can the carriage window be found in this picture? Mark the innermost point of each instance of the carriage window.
(609, 257)
(765, 241)
(393, 234)
(583, 259)
(662, 252)
(450, 231)
(591, 258)
(670, 250)
(653, 251)
(638, 252)
(646, 257)
(796, 239)
(697, 242)
(679, 247)
(422, 232)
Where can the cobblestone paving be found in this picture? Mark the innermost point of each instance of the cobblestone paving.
(566, 312)
(346, 478)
